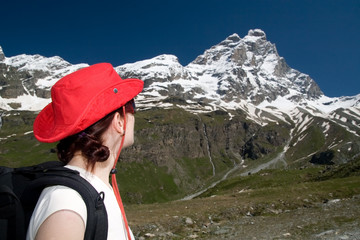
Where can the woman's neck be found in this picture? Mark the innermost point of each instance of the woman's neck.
(101, 169)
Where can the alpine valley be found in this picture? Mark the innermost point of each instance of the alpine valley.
(236, 109)
(235, 145)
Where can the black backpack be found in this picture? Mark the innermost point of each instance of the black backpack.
(20, 189)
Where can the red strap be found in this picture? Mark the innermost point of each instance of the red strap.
(115, 185)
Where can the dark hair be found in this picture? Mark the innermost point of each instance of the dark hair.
(89, 142)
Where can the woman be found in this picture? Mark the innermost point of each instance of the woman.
(92, 115)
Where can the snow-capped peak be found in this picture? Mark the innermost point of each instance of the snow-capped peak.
(234, 73)
(37, 75)
(256, 33)
(161, 67)
(234, 70)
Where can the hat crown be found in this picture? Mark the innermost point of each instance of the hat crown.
(73, 93)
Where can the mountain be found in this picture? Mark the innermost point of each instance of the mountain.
(229, 75)
(234, 110)
(235, 70)
(26, 80)
(246, 74)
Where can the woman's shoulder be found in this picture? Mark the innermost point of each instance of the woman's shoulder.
(56, 198)
(53, 199)
(58, 193)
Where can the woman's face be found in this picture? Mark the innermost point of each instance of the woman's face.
(129, 133)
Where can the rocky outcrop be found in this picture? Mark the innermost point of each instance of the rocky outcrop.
(2, 55)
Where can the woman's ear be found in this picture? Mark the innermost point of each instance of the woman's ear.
(118, 123)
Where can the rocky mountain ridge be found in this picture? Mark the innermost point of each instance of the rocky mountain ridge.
(228, 75)
(234, 70)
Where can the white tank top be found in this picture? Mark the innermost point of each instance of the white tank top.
(56, 198)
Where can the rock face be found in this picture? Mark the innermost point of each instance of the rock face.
(201, 137)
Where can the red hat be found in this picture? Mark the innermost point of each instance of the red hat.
(82, 98)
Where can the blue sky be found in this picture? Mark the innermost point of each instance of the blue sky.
(320, 38)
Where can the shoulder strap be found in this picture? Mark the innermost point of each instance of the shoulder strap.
(97, 222)
(11, 215)
(11, 211)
